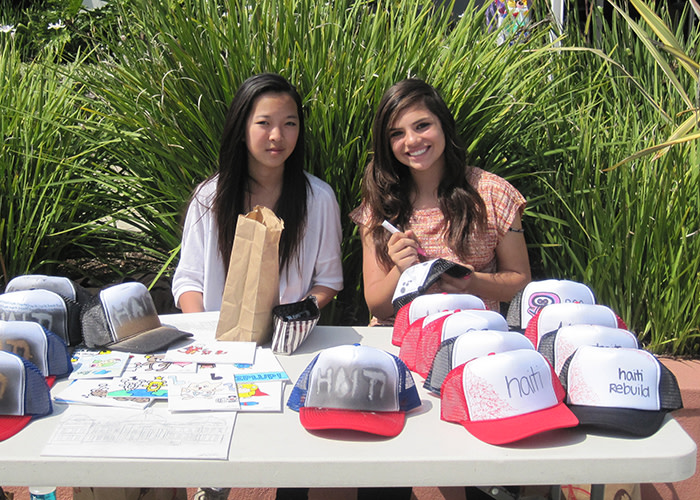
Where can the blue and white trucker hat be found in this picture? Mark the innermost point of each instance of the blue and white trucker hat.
(24, 394)
(32, 342)
(355, 387)
(56, 313)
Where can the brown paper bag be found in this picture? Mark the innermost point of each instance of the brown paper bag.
(252, 282)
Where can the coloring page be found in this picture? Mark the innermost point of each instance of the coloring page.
(202, 392)
(213, 352)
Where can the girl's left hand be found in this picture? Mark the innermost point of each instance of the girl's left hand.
(450, 284)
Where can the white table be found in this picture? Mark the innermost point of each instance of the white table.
(270, 450)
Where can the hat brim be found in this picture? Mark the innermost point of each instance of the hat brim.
(12, 424)
(150, 341)
(511, 429)
(642, 423)
(386, 423)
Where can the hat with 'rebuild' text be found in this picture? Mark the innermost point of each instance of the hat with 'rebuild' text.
(619, 389)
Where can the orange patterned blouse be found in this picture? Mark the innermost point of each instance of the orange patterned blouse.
(503, 202)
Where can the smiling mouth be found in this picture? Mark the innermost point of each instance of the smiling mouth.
(418, 152)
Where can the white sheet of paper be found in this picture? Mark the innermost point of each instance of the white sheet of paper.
(213, 352)
(87, 431)
(202, 392)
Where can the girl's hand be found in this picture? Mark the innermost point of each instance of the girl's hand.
(403, 249)
(450, 284)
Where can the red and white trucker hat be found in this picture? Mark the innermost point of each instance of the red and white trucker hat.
(538, 294)
(473, 344)
(355, 387)
(621, 389)
(558, 345)
(425, 305)
(554, 316)
(505, 397)
(419, 348)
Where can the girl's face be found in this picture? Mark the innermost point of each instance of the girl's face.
(272, 130)
(417, 139)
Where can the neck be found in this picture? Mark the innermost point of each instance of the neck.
(265, 188)
(425, 190)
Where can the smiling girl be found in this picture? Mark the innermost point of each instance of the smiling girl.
(419, 181)
(261, 162)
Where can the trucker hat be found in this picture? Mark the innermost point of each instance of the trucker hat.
(427, 304)
(538, 294)
(473, 344)
(34, 343)
(24, 394)
(123, 317)
(355, 387)
(419, 348)
(558, 345)
(619, 389)
(56, 313)
(417, 279)
(505, 397)
(61, 285)
(554, 316)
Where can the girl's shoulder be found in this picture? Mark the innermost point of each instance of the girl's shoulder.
(319, 188)
(206, 189)
(488, 183)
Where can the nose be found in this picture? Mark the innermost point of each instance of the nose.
(411, 137)
(275, 133)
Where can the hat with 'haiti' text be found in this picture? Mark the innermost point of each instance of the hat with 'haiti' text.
(505, 397)
(419, 348)
(473, 344)
(554, 316)
(558, 345)
(619, 389)
(55, 312)
(425, 305)
(417, 279)
(24, 394)
(123, 317)
(355, 387)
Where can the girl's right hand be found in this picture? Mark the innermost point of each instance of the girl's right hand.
(403, 250)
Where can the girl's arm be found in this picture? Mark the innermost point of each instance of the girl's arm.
(191, 302)
(379, 284)
(323, 295)
(512, 275)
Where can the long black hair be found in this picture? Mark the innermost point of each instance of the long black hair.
(387, 185)
(234, 177)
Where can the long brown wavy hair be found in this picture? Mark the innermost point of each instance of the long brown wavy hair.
(387, 183)
(234, 176)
